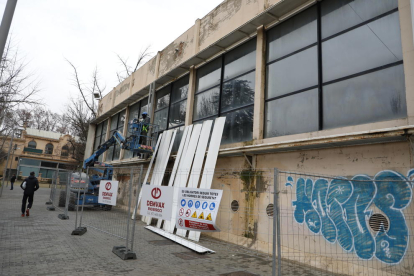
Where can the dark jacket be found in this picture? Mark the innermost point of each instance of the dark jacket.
(13, 179)
(32, 184)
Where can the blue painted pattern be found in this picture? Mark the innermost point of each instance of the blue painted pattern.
(339, 210)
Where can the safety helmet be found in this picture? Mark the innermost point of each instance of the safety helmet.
(144, 113)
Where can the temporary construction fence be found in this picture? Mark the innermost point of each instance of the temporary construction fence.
(58, 191)
(310, 223)
(276, 223)
(359, 225)
(112, 220)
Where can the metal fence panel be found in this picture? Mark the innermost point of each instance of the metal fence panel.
(357, 225)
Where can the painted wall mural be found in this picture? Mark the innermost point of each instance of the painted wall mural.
(339, 209)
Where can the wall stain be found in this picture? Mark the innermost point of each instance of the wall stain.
(253, 184)
(217, 17)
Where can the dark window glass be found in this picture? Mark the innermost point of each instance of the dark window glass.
(291, 115)
(160, 118)
(114, 122)
(179, 89)
(177, 114)
(238, 126)
(339, 15)
(32, 145)
(109, 154)
(120, 128)
(240, 60)
(29, 162)
(238, 92)
(49, 149)
(178, 137)
(104, 127)
(134, 111)
(293, 73)
(97, 143)
(209, 75)
(373, 97)
(163, 97)
(369, 46)
(144, 106)
(121, 121)
(206, 103)
(292, 35)
(48, 164)
(117, 151)
(98, 130)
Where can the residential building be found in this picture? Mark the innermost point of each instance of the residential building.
(43, 152)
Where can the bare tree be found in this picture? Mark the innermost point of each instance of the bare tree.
(17, 89)
(127, 69)
(87, 90)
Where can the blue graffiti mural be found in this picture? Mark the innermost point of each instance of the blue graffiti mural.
(339, 210)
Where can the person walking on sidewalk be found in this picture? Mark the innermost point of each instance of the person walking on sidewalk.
(12, 180)
(29, 185)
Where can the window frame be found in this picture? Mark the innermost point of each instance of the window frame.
(31, 146)
(223, 81)
(319, 68)
(46, 148)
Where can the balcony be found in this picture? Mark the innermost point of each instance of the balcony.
(39, 154)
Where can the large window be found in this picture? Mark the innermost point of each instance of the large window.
(171, 108)
(135, 112)
(117, 124)
(100, 136)
(338, 63)
(225, 87)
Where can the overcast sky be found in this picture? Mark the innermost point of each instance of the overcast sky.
(89, 33)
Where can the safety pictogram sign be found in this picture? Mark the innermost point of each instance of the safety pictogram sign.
(188, 213)
(200, 202)
(181, 212)
(209, 217)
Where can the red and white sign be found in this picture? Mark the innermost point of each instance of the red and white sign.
(201, 209)
(157, 201)
(108, 191)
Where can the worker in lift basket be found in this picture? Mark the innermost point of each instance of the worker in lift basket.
(145, 120)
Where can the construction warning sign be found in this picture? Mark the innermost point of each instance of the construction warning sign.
(157, 202)
(108, 192)
(203, 206)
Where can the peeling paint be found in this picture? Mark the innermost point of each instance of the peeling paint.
(218, 16)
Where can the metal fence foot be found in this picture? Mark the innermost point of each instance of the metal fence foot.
(63, 216)
(51, 208)
(124, 253)
(79, 231)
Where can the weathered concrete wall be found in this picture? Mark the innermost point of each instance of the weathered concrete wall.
(177, 52)
(121, 92)
(144, 75)
(106, 103)
(251, 227)
(225, 18)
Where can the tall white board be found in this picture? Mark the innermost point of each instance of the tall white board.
(210, 165)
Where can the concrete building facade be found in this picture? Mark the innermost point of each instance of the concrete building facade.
(323, 87)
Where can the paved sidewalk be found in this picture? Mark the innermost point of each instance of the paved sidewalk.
(42, 245)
